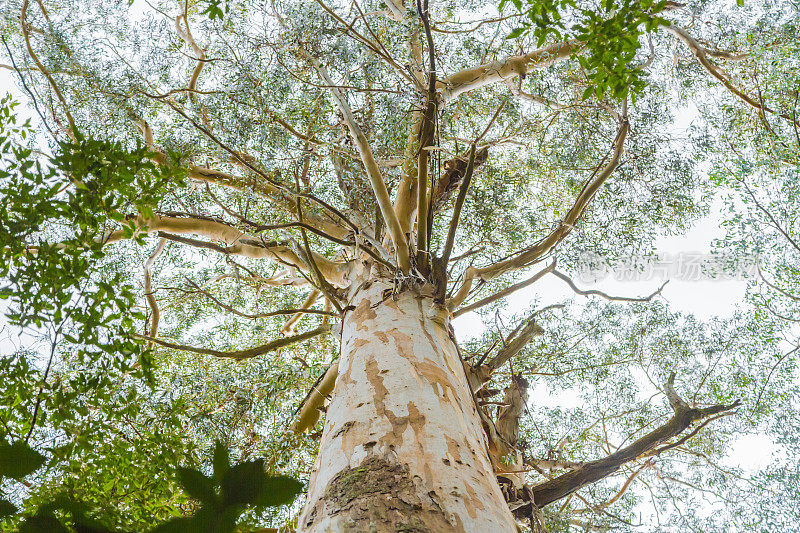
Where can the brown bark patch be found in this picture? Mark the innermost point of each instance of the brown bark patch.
(381, 496)
(435, 375)
(362, 314)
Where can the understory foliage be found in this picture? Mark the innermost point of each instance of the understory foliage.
(183, 215)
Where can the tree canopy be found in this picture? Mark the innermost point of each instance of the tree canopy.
(203, 182)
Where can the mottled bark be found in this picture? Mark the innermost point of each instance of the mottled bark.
(403, 448)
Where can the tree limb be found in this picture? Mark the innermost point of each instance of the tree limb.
(373, 172)
(527, 256)
(309, 407)
(148, 289)
(593, 471)
(505, 292)
(594, 292)
(240, 355)
(701, 53)
(469, 79)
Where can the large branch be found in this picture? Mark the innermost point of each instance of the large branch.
(236, 243)
(531, 254)
(473, 78)
(593, 471)
(373, 172)
(263, 187)
(309, 411)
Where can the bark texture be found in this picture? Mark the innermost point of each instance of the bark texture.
(403, 448)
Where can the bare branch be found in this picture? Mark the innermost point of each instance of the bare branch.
(594, 292)
(240, 355)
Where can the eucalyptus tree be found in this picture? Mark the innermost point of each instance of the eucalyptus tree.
(328, 186)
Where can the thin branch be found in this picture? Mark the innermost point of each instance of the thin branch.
(148, 289)
(594, 292)
(240, 355)
(269, 314)
(73, 130)
(451, 233)
(505, 292)
(313, 296)
(701, 52)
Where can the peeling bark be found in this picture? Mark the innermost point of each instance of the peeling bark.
(403, 448)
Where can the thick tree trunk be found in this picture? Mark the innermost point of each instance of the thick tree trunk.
(403, 448)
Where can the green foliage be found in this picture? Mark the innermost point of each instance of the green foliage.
(610, 34)
(223, 497)
(228, 492)
(213, 9)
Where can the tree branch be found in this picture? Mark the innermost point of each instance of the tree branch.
(505, 292)
(73, 130)
(527, 256)
(469, 79)
(593, 471)
(594, 292)
(701, 53)
(148, 289)
(237, 243)
(451, 233)
(240, 355)
(373, 172)
(309, 407)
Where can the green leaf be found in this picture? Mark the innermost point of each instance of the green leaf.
(197, 485)
(221, 460)
(7, 508)
(17, 460)
(243, 483)
(279, 490)
(516, 32)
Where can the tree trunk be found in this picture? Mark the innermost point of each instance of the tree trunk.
(403, 448)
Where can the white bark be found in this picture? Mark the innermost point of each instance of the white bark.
(403, 448)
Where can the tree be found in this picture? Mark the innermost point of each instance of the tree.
(316, 191)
